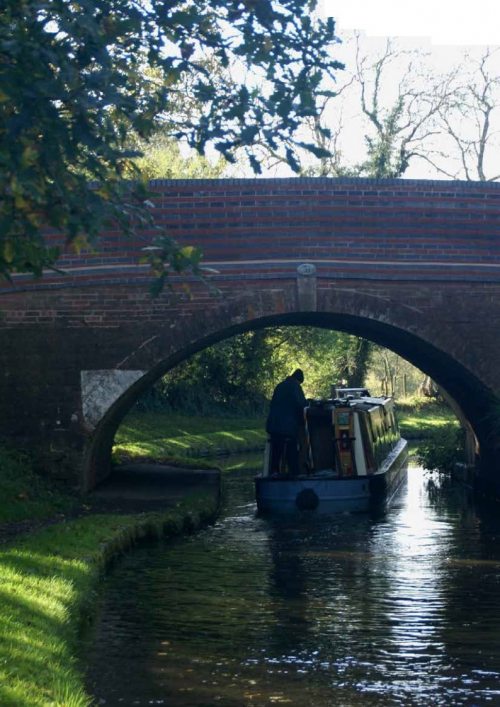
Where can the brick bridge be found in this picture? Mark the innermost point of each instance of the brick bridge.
(411, 265)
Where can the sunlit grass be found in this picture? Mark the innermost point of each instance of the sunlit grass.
(38, 628)
(425, 424)
(48, 583)
(162, 435)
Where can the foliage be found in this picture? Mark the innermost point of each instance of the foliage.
(389, 374)
(226, 379)
(77, 77)
(356, 364)
(327, 357)
(443, 451)
(24, 494)
(162, 158)
(238, 375)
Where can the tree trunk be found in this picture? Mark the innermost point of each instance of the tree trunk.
(427, 388)
(357, 374)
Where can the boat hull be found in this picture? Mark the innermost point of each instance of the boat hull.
(331, 494)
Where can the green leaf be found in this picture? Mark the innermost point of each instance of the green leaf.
(82, 82)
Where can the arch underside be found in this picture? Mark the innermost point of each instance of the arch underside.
(411, 265)
(471, 398)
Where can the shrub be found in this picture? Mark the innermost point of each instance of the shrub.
(419, 403)
(442, 452)
(23, 493)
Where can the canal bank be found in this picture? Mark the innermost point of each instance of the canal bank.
(51, 576)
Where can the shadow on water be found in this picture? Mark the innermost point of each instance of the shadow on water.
(401, 608)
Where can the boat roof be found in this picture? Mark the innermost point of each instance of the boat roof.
(369, 402)
(356, 392)
(364, 402)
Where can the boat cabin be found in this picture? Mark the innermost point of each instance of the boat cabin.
(351, 458)
(346, 436)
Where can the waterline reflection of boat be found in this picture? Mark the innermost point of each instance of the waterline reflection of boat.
(352, 458)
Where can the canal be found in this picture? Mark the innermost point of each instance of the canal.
(400, 609)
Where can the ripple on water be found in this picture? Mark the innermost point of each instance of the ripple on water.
(402, 609)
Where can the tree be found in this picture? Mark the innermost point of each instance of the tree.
(162, 158)
(389, 374)
(238, 375)
(231, 377)
(401, 126)
(469, 122)
(356, 357)
(327, 357)
(318, 352)
(394, 99)
(405, 110)
(400, 113)
(77, 75)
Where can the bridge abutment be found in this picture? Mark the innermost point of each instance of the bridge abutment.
(411, 265)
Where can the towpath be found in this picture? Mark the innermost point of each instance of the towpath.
(133, 488)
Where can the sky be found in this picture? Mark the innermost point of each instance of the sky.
(449, 33)
(443, 22)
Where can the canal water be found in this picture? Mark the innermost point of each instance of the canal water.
(356, 610)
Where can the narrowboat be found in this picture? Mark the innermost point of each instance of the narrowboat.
(351, 458)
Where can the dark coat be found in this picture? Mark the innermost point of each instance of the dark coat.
(287, 408)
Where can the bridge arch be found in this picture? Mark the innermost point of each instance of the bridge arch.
(467, 394)
(411, 264)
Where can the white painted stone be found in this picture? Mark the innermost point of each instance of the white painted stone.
(100, 389)
(306, 269)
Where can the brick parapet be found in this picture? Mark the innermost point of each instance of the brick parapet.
(407, 226)
(413, 265)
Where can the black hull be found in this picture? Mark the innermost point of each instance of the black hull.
(384, 484)
(331, 494)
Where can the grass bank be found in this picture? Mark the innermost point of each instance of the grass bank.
(427, 422)
(162, 435)
(24, 495)
(49, 579)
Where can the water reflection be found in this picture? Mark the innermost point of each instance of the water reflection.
(400, 609)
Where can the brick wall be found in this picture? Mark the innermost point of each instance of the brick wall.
(414, 265)
(402, 229)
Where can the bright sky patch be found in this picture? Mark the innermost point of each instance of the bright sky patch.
(445, 22)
